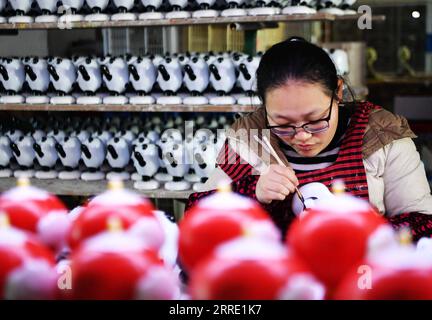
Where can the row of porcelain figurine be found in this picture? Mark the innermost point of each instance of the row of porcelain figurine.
(154, 153)
(223, 78)
(19, 11)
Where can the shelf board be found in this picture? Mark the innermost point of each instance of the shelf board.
(173, 22)
(360, 92)
(348, 17)
(89, 188)
(128, 108)
(185, 22)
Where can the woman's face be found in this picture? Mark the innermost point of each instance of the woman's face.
(296, 103)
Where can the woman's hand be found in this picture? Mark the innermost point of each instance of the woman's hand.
(275, 183)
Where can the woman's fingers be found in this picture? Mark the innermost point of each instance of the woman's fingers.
(285, 172)
(275, 184)
(278, 188)
(271, 195)
(276, 195)
(284, 181)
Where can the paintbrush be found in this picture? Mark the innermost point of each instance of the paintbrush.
(266, 144)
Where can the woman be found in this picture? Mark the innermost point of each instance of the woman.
(319, 139)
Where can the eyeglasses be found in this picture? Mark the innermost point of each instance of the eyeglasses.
(287, 130)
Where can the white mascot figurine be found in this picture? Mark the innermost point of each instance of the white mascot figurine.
(146, 161)
(142, 76)
(93, 155)
(63, 75)
(38, 79)
(115, 75)
(222, 78)
(24, 155)
(170, 80)
(196, 79)
(12, 77)
(118, 156)
(46, 155)
(177, 165)
(69, 153)
(89, 81)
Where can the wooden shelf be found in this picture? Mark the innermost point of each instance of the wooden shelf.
(128, 108)
(89, 188)
(348, 17)
(183, 22)
(360, 92)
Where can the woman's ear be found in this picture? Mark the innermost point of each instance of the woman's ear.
(339, 90)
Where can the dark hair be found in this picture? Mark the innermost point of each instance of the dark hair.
(295, 59)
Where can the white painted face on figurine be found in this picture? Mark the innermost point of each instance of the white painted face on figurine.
(142, 74)
(118, 153)
(77, 60)
(222, 75)
(209, 58)
(21, 5)
(151, 5)
(197, 75)
(82, 135)
(93, 152)
(141, 139)
(178, 4)
(129, 58)
(23, 151)
(63, 74)
(153, 136)
(175, 159)
(5, 151)
(307, 2)
(46, 152)
(89, 75)
(146, 159)
(157, 59)
(205, 4)
(115, 75)
(103, 60)
(47, 6)
(69, 151)
(313, 194)
(124, 5)
(103, 135)
(128, 135)
(237, 58)
(59, 135)
(14, 134)
(74, 5)
(97, 5)
(170, 75)
(247, 73)
(37, 75)
(171, 135)
(203, 136)
(332, 3)
(12, 74)
(348, 3)
(204, 160)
